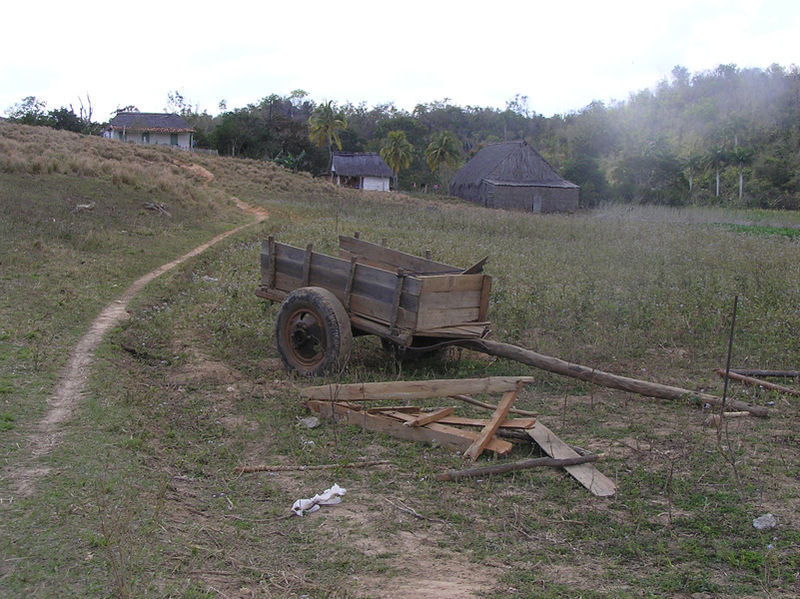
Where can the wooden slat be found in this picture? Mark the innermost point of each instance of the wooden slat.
(586, 474)
(447, 436)
(428, 417)
(438, 283)
(487, 434)
(468, 298)
(498, 446)
(446, 317)
(513, 423)
(476, 329)
(407, 390)
(380, 256)
(483, 304)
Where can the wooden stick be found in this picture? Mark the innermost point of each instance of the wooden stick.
(513, 466)
(787, 374)
(487, 434)
(263, 468)
(598, 377)
(488, 406)
(758, 382)
(429, 417)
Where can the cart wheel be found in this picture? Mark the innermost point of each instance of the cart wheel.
(313, 332)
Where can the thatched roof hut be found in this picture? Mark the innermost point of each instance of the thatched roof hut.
(362, 170)
(512, 175)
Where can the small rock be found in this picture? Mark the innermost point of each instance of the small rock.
(309, 422)
(765, 522)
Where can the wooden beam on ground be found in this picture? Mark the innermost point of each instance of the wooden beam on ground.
(407, 390)
(511, 424)
(488, 406)
(514, 466)
(429, 417)
(748, 380)
(487, 434)
(586, 474)
(598, 377)
(787, 374)
(447, 436)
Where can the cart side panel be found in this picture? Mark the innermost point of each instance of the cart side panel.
(389, 259)
(372, 290)
(452, 301)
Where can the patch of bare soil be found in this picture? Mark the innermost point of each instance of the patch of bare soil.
(46, 434)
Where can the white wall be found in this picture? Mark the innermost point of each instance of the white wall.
(375, 184)
(162, 139)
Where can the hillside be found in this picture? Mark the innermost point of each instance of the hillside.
(138, 496)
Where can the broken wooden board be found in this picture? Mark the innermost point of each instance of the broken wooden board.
(586, 474)
(448, 436)
(512, 423)
(487, 433)
(407, 390)
(429, 417)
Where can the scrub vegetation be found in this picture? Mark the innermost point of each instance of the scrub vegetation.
(141, 499)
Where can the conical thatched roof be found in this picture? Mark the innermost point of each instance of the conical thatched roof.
(508, 163)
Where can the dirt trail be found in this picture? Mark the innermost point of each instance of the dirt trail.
(45, 434)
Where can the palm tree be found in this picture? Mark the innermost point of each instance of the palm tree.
(742, 157)
(443, 151)
(716, 158)
(324, 126)
(396, 150)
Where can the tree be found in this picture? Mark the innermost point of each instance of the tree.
(742, 157)
(397, 151)
(443, 151)
(324, 126)
(716, 158)
(29, 111)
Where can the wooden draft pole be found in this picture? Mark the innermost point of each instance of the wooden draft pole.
(598, 377)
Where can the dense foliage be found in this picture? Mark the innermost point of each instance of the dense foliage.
(726, 136)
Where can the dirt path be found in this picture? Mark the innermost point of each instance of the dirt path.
(45, 434)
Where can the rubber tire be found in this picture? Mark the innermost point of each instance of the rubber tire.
(326, 313)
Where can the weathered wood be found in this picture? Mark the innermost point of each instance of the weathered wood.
(382, 257)
(487, 433)
(451, 475)
(348, 288)
(598, 377)
(511, 424)
(434, 319)
(475, 268)
(398, 291)
(433, 433)
(488, 406)
(483, 304)
(406, 390)
(498, 446)
(429, 417)
(748, 380)
(786, 374)
(439, 283)
(586, 474)
(307, 265)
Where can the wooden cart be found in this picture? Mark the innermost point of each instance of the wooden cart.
(412, 303)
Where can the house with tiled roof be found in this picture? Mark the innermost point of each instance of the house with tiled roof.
(150, 128)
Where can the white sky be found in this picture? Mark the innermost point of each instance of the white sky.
(562, 54)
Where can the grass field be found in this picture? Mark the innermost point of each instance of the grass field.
(141, 498)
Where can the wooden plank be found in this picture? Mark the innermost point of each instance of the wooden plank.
(586, 474)
(511, 424)
(467, 298)
(307, 265)
(483, 304)
(441, 283)
(498, 446)
(348, 289)
(427, 418)
(380, 256)
(446, 317)
(407, 390)
(447, 436)
(514, 466)
(476, 268)
(487, 434)
(473, 330)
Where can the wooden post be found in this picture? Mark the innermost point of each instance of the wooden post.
(398, 291)
(307, 265)
(598, 377)
(348, 288)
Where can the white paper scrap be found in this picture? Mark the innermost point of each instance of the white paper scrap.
(330, 496)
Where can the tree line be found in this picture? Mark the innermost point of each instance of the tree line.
(724, 136)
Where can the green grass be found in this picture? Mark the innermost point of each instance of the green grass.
(142, 499)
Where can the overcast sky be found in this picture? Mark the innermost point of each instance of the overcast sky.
(562, 54)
